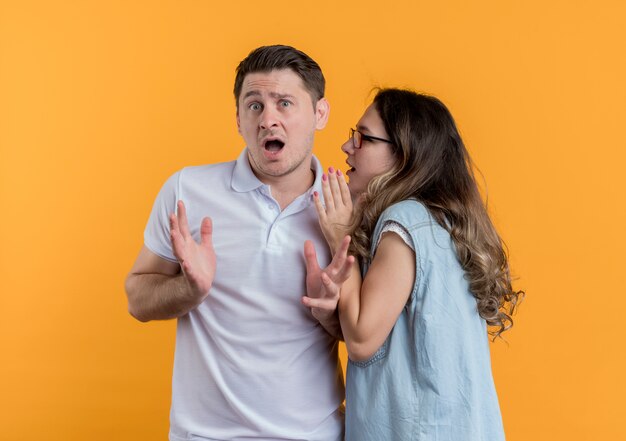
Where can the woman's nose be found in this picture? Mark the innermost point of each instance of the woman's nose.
(348, 147)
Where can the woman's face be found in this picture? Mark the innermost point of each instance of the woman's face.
(373, 158)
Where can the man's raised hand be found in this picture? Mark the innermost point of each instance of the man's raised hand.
(197, 260)
(323, 286)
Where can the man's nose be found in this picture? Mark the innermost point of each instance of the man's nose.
(269, 118)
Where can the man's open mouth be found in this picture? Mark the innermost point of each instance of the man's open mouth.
(273, 145)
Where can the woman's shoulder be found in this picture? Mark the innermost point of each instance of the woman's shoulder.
(409, 213)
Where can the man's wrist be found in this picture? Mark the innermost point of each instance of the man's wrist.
(322, 315)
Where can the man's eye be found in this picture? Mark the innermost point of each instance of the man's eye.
(254, 106)
(285, 103)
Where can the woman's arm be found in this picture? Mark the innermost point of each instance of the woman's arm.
(369, 308)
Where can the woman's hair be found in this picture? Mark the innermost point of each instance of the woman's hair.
(434, 167)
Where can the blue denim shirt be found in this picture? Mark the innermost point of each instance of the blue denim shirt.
(431, 379)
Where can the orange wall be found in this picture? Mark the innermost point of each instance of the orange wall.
(101, 101)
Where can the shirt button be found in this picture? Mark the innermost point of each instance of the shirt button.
(270, 206)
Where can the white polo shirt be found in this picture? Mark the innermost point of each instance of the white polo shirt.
(251, 362)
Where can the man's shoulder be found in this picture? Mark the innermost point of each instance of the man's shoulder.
(195, 173)
(199, 177)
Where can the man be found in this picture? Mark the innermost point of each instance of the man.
(251, 361)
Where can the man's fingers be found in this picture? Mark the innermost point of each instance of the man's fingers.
(345, 243)
(342, 252)
(339, 259)
(187, 269)
(183, 223)
(345, 271)
(174, 232)
(206, 232)
(328, 304)
(331, 287)
(173, 223)
(178, 244)
(310, 257)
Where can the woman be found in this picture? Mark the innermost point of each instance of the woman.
(433, 276)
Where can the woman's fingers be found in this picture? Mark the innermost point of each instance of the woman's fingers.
(334, 188)
(344, 190)
(321, 211)
(339, 190)
(326, 191)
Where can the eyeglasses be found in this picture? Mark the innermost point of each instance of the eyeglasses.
(358, 137)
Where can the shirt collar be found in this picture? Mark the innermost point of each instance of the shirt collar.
(306, 199)
(245, 180)
(316, 166)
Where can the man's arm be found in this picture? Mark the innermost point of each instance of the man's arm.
(158, 289)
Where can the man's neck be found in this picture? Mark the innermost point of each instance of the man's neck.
(286, 189)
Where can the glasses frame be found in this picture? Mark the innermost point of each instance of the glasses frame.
(363, 136)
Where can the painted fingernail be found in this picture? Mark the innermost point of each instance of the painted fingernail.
(324, 177)
(339, 173)
(331, 170)
(315, 194)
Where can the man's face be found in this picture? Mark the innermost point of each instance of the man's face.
(277, 120)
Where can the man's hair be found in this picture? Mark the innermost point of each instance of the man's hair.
(268, 58)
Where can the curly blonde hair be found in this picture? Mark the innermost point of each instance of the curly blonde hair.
(434, 167)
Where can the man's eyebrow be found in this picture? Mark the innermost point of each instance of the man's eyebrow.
(251, 93)
(281, 96)
(274, 95)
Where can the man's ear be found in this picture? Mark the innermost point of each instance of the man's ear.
(238, 123)
(322, 110)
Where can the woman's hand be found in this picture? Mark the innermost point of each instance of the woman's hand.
(335, 216)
